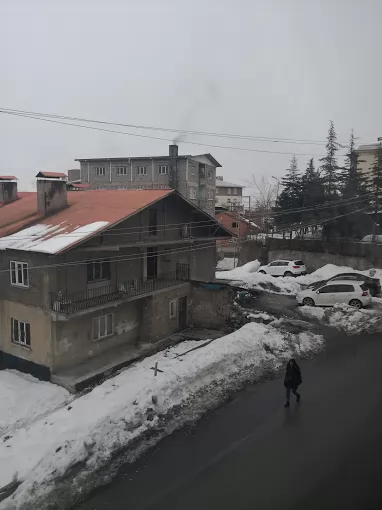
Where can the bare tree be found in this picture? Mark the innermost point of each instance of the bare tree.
(264, 198)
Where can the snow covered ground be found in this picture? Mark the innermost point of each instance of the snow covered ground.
(23, 399)
(248, 277)
(60, 455)
(346, 318)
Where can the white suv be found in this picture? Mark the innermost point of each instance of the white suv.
(284, 268)
(341, 291)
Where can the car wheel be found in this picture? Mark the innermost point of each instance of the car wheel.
(308, 301)
(355, 303)
(262, 272)
(288, 273)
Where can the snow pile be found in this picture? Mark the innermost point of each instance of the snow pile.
(24, 399)
(247, 277)
(226, 264)
(61, 455)
(346, 318)
(353, 321)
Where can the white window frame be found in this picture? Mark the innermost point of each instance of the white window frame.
(100, 170)
(141, 170)
(210, 195)
(100, 265)
(23, 333)
(192, 193)
(173, 309)
(162, 170)
(122, 170)
(14, 270)
(103, 326)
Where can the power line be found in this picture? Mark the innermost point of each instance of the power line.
(175, 226)
(171, 130)
(245, 149)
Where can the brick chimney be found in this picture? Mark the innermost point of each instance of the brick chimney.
(51, 192)
(8, 189)
(173, 151)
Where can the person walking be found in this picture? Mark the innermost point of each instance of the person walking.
(292, 380)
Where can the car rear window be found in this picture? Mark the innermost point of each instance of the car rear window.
(298, 263)
(363, 286)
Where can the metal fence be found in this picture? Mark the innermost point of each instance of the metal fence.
(71, 302)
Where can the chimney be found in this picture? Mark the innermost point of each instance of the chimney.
(219, 177)
(8, 189)
(51, 192)
(173, 151)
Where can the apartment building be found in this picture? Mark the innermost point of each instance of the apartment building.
(192, 176)
(228, 194)
(366, 155)
(85, 272)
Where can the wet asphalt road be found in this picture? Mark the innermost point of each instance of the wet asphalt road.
(253, 454)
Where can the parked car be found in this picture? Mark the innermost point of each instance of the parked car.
(284, 268)
(341, 291)
(373, 284)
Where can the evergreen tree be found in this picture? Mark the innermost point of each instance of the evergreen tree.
(313, 194)
(353, 186)
(329, 167)
(375, 186)
(290, 197)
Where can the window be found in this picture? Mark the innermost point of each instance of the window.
(163, 170)
(273, 264)
(209, 174)
(122, 170)
(202, 171)
(98, 270)
(19, 274)
(192, 193)
(210, 195)
(100, 170)
(344, 288)
(173, 309)
(283, 263)
(298, 263)
(234, 191)
(102, 326)
(229, 191)
(234, 224)
(20, 332)
(364, 286)
(141, 170)
(327, 289)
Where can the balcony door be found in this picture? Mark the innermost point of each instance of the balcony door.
(152, 263)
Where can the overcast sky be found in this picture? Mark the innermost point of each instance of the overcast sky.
(274, 68)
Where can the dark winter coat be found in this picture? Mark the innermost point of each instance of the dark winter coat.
(292, 376)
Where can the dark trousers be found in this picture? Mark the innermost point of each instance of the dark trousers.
(294, 391)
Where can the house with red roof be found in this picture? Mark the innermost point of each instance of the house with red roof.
(85, 274)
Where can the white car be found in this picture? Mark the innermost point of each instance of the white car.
(284, 268)
(340, 291)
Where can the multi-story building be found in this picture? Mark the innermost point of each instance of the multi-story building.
(228, 195)
(366, 155)
(84, 273)
(192, 176)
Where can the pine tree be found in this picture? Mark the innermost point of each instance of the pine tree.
(329, 167)
(312, 194)
(376, 186)
(353, 182)
(290, 197)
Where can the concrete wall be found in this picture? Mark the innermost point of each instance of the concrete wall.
(314, 253)
(365, 161)
(40, 331)
(211, 305)
(156, 323)
(73, 339)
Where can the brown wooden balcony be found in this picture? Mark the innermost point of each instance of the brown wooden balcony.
(72, 302)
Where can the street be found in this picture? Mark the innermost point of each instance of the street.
(251, 453)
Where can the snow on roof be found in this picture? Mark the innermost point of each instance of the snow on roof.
(368, 147)
(22, 228)
(8, 178)
(225, 184)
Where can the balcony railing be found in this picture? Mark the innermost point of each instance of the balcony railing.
(72, 302)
